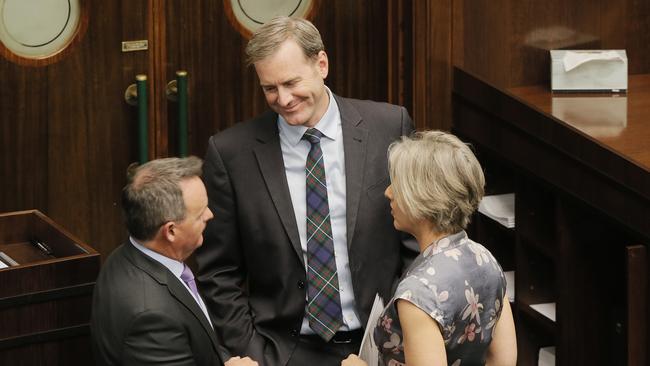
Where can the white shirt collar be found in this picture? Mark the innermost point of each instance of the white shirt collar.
(173, 265)
(327, 124)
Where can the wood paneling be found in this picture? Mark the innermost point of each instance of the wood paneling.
(67, 134)
(506, 42)
(432, 25)
(23, 137)
(400, 53)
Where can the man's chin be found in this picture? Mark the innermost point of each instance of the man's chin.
(294, 120)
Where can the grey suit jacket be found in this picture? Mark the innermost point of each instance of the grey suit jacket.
(251, 266)
(143, 315)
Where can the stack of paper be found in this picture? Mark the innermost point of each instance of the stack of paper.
(546, 309)
(369, 351)
(500, 208)
(546, 356)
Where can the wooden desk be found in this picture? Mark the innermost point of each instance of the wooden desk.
(580, 168)
(45, 296)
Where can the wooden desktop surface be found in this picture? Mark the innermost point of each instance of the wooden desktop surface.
(619, 122)
(596, 147)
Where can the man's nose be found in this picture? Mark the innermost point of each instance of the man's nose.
(284, 97)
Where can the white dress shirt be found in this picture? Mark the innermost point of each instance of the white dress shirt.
(294, 153)
(174, 267)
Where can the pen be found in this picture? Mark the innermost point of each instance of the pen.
(42, 246)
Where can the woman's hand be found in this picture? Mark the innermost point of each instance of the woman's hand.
(353, 360)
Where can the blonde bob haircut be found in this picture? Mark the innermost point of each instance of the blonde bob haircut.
(436, 177)
(268, 38)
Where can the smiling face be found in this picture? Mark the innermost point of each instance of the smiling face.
(293, 84)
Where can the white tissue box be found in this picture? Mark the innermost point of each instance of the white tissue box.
(588, 70)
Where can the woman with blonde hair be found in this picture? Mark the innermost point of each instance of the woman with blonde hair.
(450, 307)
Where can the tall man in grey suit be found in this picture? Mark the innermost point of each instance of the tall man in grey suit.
(146, 307)
(305, 238)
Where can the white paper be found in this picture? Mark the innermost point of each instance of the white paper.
(573, 59)
(510, 285)
(546, 356)
(546, 309)
(3, 265)
(500, 208)
(368, 350)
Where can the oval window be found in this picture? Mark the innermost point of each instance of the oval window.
(248, 15)
(38, 30)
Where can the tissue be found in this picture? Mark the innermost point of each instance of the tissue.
(573, 59)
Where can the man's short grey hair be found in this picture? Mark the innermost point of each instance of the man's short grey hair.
(435, 176)
(268, 38)
(152, 195)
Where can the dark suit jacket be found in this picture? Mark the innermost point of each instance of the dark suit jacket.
(251, 266)
(142, 315)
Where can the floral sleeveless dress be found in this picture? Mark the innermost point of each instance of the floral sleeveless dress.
(461, 286)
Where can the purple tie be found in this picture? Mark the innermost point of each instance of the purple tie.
(323, 299)
(188, 277)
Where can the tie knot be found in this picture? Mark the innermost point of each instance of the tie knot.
(313, 136)
(187, 274)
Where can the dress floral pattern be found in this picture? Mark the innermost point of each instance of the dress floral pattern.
(461, 286)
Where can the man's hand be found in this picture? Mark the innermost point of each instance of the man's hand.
(238, 361)
(353, 360)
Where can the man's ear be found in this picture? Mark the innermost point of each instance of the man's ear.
(323, 64)
(168, 231)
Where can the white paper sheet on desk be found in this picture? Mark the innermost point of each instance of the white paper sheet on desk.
(546, 356)
(573, 59)
(500, 208)
(547, 309)
(3, 265)
(368, 350)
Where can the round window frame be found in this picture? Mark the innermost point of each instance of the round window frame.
(246, 32)
(68, 48)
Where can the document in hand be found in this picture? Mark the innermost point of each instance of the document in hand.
(369, 351)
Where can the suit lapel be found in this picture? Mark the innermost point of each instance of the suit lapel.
(184, 297)
(164, 277)
(271, 165)
(355, 139)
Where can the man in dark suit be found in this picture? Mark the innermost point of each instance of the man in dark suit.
(305, 238)
(146, 307)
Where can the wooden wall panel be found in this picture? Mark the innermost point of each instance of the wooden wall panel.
(355, 36)
(400, 53)
(431, 71)
(23, 138)
(92, 131)
(506, 42)
(67, 133)
(222, 91)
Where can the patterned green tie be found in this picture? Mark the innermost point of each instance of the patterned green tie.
(323, 299)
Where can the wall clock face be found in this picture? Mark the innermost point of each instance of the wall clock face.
(38, 29)
(248, 15)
